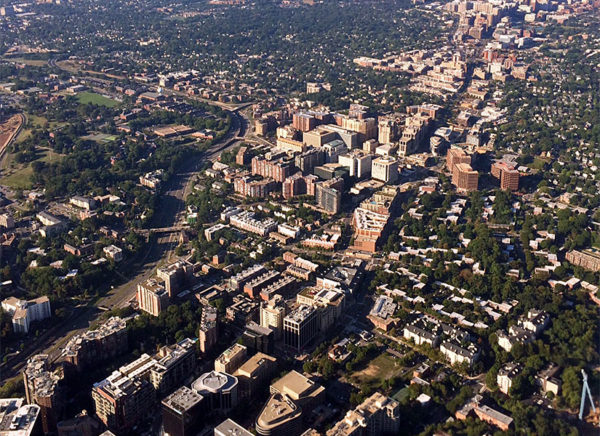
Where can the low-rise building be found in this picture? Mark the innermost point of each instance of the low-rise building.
(113, 252)
(246, 221)
(506, 376)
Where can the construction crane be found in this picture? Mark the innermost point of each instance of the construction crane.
(586, 388)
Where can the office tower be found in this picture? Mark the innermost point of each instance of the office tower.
(300, 327)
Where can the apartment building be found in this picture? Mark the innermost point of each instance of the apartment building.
(175, 276)
(506, 376)
(43, 388)
(96, 346)
(272, 313)
(377, 415)
(465, 178)
(25, 312)
(231, 359)
(276, 169)
(237, 282)
(152, 297)
(126, 397)
(208, 332)
(328, 195)
(246, 221)
(249, 187)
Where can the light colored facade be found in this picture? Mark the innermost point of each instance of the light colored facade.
(385, 169)
(231, 359)
(272, 313)
(152, 297)
(377, 415)
(26, 312)
(220, 389)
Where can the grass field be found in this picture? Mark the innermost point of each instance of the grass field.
(102, 138)
(93, 98)
(18, 176)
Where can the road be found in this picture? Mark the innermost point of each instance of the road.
(14, 135)
(168, 212)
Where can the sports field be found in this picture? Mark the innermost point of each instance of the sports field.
(93, 98)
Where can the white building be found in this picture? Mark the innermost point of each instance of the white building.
(385, 169)
(358, 162)
(114, 252)
(457, 354)
(25, 312)
(506, 376)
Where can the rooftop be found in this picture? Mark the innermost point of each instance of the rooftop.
(16, 417)
(182, 400)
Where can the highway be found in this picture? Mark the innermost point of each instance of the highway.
(171, 205)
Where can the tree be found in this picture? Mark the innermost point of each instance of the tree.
(571, 387)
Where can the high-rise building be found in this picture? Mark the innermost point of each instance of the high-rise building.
(455, 156)
(182, 412)
(509, 179)
(122, 401)
(300, 327)
(304, 122)
(128, 395)
(230, 428)
(255, 373)
(276, 169)
(507, 174)
(258, 338)
(172, 365)
(280, 416)
(175, 276)
(96, 346)
(42, 387)
(308, 160)
(25, 312)
(465, 178)
(272, 313)
(305, 392)
(377, 415)
(152, 297)
(385, 169)
(231, 359)
(328, 195)
(358, 162)
(208, 332)
(219, 389)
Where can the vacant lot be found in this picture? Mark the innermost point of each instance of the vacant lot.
(93, 98)
(381, 368)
